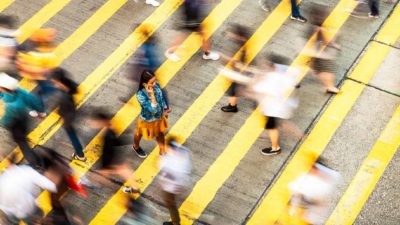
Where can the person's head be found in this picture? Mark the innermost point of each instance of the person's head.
(238, 32)
(7, 84)
(7, 22)
(61, 81)
(44, 39)
(273, 59)
(100, 118)
(147, 80)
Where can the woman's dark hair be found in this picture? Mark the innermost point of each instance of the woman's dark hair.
(145, 77)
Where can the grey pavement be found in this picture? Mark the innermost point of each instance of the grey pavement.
(254, 175)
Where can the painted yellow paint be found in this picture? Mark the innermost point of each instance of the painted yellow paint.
(369, 174)
(5, 3)
(274, 202)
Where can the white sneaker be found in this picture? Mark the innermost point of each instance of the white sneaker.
(33, 113)
(172, 56)
(211, 55)
(153, 3)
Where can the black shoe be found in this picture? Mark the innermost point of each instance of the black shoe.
(299, 18)
(140, 152)
(269, 151)
(230, 108)
(168, 223)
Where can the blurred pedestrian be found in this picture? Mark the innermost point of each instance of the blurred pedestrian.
(8, 45)
(240, 35)
(175, 169)
(324, 51)
(66, 109)
(193, 15)
(18, 188)
(18, 102)
(152, 122)
(312, 192)
(271, 87)
(112, 161)
(36, 61)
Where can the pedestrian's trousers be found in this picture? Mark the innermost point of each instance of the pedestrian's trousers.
(19, 131)
(374, 7)
(74, 140)
(295, 8)
(170, 203)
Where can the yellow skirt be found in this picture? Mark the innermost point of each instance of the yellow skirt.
(150, 130)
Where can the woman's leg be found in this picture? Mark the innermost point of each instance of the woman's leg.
(161, 143)
(136, 140)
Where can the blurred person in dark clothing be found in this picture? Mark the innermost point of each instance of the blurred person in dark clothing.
(324, 51)
(240, 35)
(18, 102)
(67, 110)
(192, 17)
(112, 161)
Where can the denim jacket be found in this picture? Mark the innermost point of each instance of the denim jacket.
(149, 111)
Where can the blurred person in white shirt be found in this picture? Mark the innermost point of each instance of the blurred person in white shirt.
(312, 192)
(19, 186)
(271, 86)
(175, 168)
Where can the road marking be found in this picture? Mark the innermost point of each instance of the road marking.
(5, 3)
(126, 115)
(78, 37)
(369, 174)
(277, 198)
(42, 133)
(193, 116)
(208, 186)
(40, 18)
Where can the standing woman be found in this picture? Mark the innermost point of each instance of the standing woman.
(152, 122)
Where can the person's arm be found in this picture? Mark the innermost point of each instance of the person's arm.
(146, 103)
(42, 181)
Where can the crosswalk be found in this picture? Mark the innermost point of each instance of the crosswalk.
(269, 208)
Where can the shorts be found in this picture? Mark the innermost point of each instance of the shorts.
(272, 123)
(232, 91)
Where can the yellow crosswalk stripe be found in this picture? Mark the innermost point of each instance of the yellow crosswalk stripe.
(40, 18)
(80, 35)
(275, 201)
(131, 110)
(5, 3)
(208, 186)
(94, 80)
(193, 116)
(369, 174)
